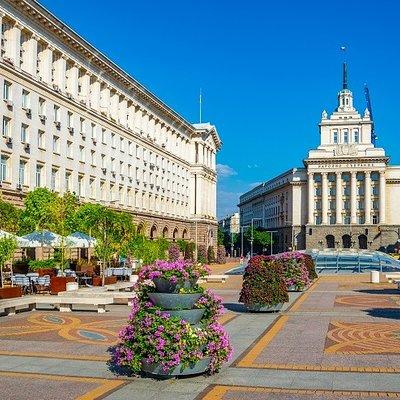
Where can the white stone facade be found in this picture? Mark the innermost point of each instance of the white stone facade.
(346, 196)
(74, 121)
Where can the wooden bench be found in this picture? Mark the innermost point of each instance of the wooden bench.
(9, 306)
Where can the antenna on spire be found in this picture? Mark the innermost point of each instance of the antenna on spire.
(345, 86)
(200, 105)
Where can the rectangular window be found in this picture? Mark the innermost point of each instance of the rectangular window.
(346, 190)
(103, 191)
(375, 219)
(113, 140)
(80, 186)
(54, 179)
(318, 191)
(93, 131)
(375, 204)
(346, 205)
(68, 181)
(335, 136)
(70, 153)
(39, 169)
(25, 99)
(6, 127)
(81, 153)
(375, 190)
(356, 135)
(346, 219)
(21, 173)
(332, 191)
(56, 114)
(7, 90)
(318, 220)
(42, 106)
(92, 157)
(3, 168)
(92, 188)
(130, 148)
(345, 136)
(70, 119)
(361, 219)
(103, 161)
(360, 205)
(103, 136)
(24, 133)
(56, 144)
(360, 190)
(41, 139)
(332, 219)
(82, 125)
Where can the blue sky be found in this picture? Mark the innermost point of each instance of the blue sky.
(266, 68)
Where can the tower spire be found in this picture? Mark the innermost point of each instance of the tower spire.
(345, 75)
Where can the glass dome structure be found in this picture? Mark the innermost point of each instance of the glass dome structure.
(353, 260)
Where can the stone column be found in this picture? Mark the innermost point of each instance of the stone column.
(339, 198)
(95, 95)
(382, 197)
(85, 93)
(367, 197)
(324, 197)
(123, 107)
(2, 14)
(73, 80)
(60, 72)
(47, 64)
(105, 100)
(31, 64)
(310, 198)
(14, 44)
(353, 197)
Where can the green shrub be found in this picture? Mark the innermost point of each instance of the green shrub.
(263, 283)
(210, 254)
(34, 265)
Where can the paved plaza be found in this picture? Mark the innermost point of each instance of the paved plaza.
(340, 339)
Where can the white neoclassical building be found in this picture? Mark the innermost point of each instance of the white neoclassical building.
(72, 120)
(347, 195)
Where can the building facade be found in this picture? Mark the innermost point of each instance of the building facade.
(346, 196)
(74, 121)
(230, 224)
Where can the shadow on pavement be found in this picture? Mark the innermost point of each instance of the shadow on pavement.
(237, 307)
(387, 291)
(390, 313)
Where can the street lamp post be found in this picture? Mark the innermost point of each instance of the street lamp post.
(241, 238)
(271, 244)
(252, 236)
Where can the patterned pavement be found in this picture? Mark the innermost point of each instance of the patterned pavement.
(338, 340)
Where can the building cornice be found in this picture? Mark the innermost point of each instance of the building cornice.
(36, 12)
(345, 160)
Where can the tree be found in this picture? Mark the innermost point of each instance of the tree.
(61, 213)
(221, 237)
(8, 245)
(261, 237)
(9, 217)
(37, 214)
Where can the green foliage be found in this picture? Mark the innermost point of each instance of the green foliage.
(263, 283)
(141, 248)
(9, 217)
(210, 254)
(34, 265)
(221, 237)
(8, 245)
(37, 214)
(202, 254)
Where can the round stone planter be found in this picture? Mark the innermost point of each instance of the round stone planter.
(165, 286)
(174, 301)
(199, 367)
(263, 308)
(191, 316)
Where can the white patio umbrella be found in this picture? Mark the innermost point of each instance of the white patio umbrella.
(20, 241)
(48, 239)
(82, 240)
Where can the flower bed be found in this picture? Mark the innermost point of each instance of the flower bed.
(294, 269)
(156, 342)
(264, 287)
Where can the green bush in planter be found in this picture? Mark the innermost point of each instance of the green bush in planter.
(34, 265)
(263, 283)
(310, 265)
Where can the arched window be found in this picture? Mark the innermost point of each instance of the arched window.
(346, 241)
(362, 242)
(330, 241)
(184, 234)
(165, 232)
(153, 232)
(175, 234)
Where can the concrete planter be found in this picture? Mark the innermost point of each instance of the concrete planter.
(191, 316)
(174, 301)
(163, 285)
(264, 308)
(199, 367)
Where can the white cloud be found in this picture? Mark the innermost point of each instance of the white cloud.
(227, 203)
(225, 171)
